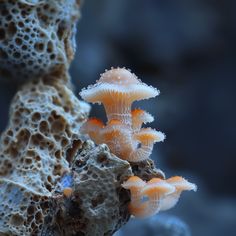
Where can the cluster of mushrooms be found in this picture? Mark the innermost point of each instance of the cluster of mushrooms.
(117, 89)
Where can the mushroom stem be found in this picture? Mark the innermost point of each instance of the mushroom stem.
(140, 210)
(146, 138)
(119, 109)
(117, 136)
(156, 190)
(141, 153)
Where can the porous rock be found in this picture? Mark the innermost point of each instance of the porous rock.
(37, 37)
(35, 151)
(98, 205)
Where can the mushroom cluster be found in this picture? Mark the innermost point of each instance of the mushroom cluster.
(148, 198)
(117, 89)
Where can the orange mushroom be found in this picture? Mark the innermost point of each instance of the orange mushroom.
(135, 185)
(140, 117)
(146, 137)
(180, 184)
(93, 127)
(118, 138)
(156, 195)
(117, 89)
(156, 189)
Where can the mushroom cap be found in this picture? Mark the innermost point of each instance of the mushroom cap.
(94, 123)
(181, 184)
(169, 201)
(91, 125)
(133, 182)
(140, 210)
(113, 129)
(157, 186)
(120, 83)
(148, 134)
(93, 128)
(142, 116)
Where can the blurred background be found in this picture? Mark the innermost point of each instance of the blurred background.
(187, 50)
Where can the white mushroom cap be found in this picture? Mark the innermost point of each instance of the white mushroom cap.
(140, 117)
(149, 135)
(180, 184)
(133, 182)
(157, 188)
(118, 82)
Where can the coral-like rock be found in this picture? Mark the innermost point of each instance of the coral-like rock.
(36, 37)
(35, 151)
(22, 210)
(98, 204)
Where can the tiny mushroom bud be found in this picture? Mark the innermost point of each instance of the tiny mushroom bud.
(117, 89)
(180, 184)
(67, 192)
(139, 117)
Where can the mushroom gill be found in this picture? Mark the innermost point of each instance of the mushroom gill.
(180, 184)
(117, 89)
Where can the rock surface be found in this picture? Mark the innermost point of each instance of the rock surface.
(36, 37)
(35, 151)
(98, 204)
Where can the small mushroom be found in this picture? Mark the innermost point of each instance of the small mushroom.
(146, 137)
(156, 189)
(140, 117)
(135, 185)
(180, 184)
(117, 89)
(118, 138)
(93, 128)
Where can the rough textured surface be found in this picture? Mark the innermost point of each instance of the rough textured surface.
(36, 37)
(22, 210)
(146, 170)
(36, 149)
(159, 225)
(98, 205)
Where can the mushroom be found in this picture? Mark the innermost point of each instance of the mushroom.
(135, 185)
(93, 128)
(117, 89)
(156, 189)
(139, 210)
(146, 137)
(139, 117)
(118, 138)
(180, 184)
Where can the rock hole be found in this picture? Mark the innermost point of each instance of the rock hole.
(11, 30)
